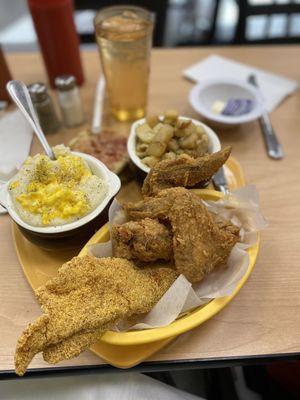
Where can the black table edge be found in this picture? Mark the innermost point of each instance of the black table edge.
(153, 366)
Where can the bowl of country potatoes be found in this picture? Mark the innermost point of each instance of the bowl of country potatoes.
(167, 136)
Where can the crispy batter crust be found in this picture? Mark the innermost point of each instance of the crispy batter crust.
(87, 296)
(145, 240)
(184, 171)
(200, 243)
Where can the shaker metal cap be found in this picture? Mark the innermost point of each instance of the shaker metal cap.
(38, 91)
(65, 82)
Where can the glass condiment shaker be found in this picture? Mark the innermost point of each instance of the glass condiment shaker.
(69, 100)
(44, 107)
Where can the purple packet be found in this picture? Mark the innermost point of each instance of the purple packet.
(236, 107)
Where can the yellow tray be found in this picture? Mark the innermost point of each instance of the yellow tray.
(125, 350)
(188, 321)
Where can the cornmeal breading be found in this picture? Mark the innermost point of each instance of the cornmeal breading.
(85, 299)
(71, 347)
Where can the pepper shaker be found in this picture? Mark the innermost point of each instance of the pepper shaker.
(44, 107)
(69, 100)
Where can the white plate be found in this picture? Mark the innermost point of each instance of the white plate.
(203, 95)
(214, 142)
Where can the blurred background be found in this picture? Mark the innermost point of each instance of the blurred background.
(178, 22)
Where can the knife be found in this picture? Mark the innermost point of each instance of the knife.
(272, 144)
(219, 181)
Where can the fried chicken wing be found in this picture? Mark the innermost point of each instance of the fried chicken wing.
(85, 299)
(184, 171)
(200, 243)
(144, 240)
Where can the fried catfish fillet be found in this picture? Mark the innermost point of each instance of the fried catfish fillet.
(200, 243)
(86, 298)
(184, 171)
(144, 240)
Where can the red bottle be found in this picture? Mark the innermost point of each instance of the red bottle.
(5, 76)
(55, 28)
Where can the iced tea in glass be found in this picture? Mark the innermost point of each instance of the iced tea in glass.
(124, 37)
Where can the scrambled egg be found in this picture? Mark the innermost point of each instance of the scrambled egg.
(56, 189)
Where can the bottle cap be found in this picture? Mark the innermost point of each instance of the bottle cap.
(65, 82)
(38, 91)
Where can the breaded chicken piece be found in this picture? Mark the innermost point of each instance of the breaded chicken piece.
(184, 171)
(200, 243)
(153, 207)
(228, 227)
(144, 240)
(86, 298)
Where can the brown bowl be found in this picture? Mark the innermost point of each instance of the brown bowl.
(70, 239)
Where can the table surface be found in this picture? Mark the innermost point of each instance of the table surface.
(263, 320)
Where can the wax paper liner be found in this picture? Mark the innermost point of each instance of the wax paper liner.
(241, 207)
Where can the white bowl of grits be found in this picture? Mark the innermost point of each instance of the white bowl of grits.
(62, 198)
(166, 136)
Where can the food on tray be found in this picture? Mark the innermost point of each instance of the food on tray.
(145, 240)
(112, 151)
(184, 171)
(55, 192)
(167, 137)
(87, 297)
(200, 243)
(170, 232)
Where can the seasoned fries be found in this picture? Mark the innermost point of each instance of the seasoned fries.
(165, 138)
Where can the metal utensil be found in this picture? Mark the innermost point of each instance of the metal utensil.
(220, 182)
(272, 144)
(20, 95)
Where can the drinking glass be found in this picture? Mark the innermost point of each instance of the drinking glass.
(124, 37)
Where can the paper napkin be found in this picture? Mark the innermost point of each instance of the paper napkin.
(274, 88)
(15, 142)
(15, 139)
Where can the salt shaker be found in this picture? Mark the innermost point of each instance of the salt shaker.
(44, 107)
(69, 100)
